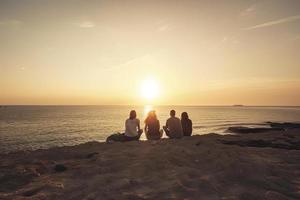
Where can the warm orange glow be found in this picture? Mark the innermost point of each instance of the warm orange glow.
(197, 53)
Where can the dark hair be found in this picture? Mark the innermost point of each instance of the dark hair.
(151, 117)
(184, 116)
(132, 114)
(172, 113)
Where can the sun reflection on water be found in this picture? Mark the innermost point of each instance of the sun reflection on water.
(147, 108)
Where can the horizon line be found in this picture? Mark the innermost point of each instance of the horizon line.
(233, 105)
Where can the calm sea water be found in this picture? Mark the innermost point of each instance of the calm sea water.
(35, 127)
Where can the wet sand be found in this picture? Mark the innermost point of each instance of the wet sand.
(246, 166)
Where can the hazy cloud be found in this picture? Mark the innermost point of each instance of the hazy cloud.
(133, 61)
(275, 22)
(295, 38)
(11, 22)
(230, 40)
(164, 27)
(249, 11)
(86, 24)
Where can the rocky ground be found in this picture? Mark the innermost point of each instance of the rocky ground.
(264, 165)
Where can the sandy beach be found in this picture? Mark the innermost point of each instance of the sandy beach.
(244, 166)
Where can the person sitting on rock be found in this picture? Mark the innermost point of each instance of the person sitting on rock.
(152, 127)
(132, 130)
(187, 125)
(173, 126)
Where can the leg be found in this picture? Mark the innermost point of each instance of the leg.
(166, 131)
(117, 137)
(139, 134)
(161, 132)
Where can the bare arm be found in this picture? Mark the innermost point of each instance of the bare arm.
(138, 125)
(167, 124)
(125, 125)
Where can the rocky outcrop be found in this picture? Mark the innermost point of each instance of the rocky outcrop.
(244, 130)
(209, 166)
(285, 125)
(265, 143)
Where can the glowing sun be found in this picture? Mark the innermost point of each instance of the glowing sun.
(149, 89)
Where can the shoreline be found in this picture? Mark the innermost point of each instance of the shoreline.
(228, 129)
(245, 166)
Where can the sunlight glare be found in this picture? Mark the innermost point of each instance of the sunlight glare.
(149, 89)
(147, 109)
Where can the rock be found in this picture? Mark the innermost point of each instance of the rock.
(244, 130)
(264, 143)
(32, 191)
(90, 155)
(11, 181)
(285, 125)
(60, 168)
(240, 168)
(273, 195)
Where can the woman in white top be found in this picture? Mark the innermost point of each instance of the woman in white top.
(132, 127)
(132, 130)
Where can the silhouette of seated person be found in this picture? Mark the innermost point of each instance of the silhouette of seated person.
(173, 126)
(132, 130)
(152, 127)
(187, 125)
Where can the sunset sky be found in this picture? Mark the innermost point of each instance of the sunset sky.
(196, 52)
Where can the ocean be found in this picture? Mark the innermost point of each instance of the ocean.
(40, 127)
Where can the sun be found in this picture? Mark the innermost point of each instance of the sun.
(149, 89)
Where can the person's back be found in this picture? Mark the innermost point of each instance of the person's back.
(153, 131)
(131, 127)
(132, 130)
(187, 125)
(152, 127)
(173, 126)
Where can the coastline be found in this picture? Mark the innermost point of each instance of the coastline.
(31, 128)
(244, 166)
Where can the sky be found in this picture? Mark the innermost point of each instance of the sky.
(198, 52)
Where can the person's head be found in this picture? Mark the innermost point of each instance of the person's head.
(184, 116)
(172, 113)
(132, 114)
(151, 117)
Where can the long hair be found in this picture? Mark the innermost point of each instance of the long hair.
(184, 116)
(151, 117)
(132, 114)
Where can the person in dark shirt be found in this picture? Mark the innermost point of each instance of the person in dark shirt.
(187, 125)
(152, 127)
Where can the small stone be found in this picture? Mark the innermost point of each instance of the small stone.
(198, 143)
(60, 168)
(90, 155)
